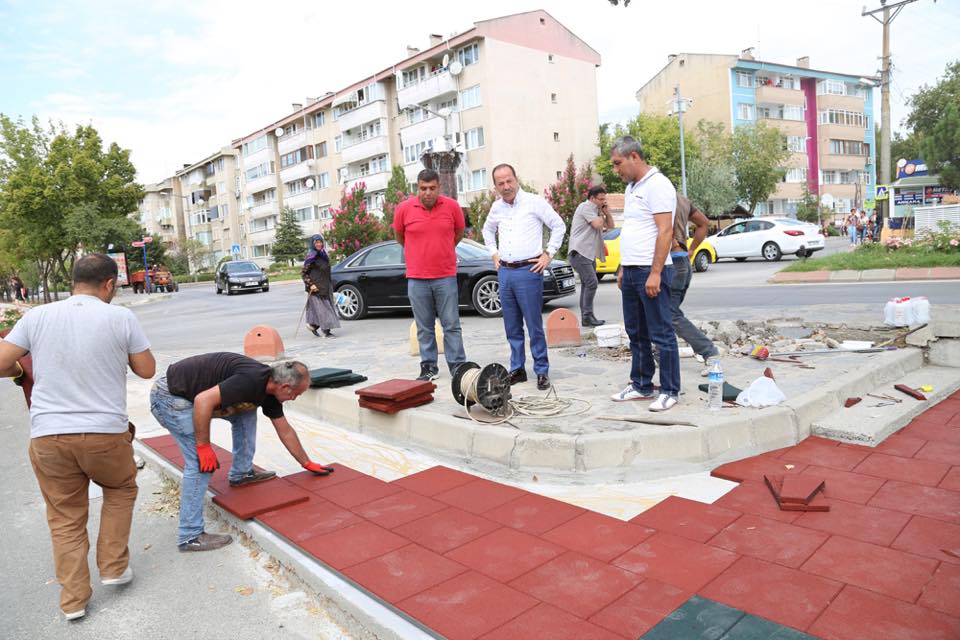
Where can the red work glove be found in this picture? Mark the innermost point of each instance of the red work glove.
(208, 458)
(317, 469)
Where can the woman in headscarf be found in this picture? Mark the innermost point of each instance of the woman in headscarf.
(316, 276)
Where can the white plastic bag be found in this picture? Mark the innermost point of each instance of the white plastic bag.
(762, 392)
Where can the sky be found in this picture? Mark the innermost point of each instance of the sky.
(176, 81)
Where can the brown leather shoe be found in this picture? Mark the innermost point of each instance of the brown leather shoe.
(206, 542)
(543, 382)
(517, 376)
(253, 477)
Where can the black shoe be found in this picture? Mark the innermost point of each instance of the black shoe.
(428, 372)
(591, 321)
(252, 477)
(543, 382)
(517, 376)
(313, 330)
(327, 333)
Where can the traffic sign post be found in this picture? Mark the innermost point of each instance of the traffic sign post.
(146, 270)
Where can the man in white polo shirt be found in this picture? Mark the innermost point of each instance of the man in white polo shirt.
(646, 271)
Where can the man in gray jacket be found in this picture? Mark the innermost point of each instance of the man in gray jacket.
(590, 220)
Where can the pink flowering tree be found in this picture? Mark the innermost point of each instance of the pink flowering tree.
(353, 227)
(566, 194)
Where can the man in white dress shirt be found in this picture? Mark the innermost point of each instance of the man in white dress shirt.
(513, 233)
(645, 275)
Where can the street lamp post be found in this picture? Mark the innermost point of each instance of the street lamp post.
(677, 106)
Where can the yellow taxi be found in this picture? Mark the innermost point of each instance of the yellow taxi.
(610, 261)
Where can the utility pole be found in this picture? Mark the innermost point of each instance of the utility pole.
(679, 105)
(890, 13)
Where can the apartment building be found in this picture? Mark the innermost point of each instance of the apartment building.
(453, 94)
(207, 193)
(826, 119)
(159, 214)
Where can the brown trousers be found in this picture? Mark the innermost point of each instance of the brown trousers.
(64, 466)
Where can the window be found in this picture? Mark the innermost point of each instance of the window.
(849, 148)
(831, 87)
(559, 175)
(261, 197)
(840, 116)
(744, 111)
(469, 54)
(319, 119)
(255, 145)
(470, 97)
(290, 129)
(797, 144)
(478, 180)
(413, 152)
(452, 103)
(460, 188)
(744, 79)
(413, 76)
(792, 112)
(204, 236)
(295, 157)
(796, 174)
(259, 171)
(304, 214)
(473, 138)
(323, 180)
(556, 136)
(550, 58)
(298, 186)
(386, 255)
(199, 217)
(553, 98)
(261, 250)
(417, 114)
(338, 143)
(322, 149)
(325, 213)
(375, 165)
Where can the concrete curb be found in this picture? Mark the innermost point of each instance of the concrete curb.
(349, 605)
(870, 275)
(640, 453)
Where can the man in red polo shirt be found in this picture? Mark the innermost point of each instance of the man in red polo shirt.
(429, 227)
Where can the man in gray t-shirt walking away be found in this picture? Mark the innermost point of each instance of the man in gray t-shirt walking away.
(590, 220)
(79, 430)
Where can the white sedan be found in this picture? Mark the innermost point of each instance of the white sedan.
(769, 238)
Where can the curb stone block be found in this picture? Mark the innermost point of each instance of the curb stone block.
(610, 449)
(810, 406)
(774, 427)
(544, 450)
(921, 338)
(494, 443)
(679, 444)
(945, 352)
(877, 275)
(945, 321)
(435, 432)
(730, 435)
(339, 407)
(393, 427)
(845, 275)
(910, 273)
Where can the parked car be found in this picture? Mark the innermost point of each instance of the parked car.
(374, 279)
(769, 238)
(233, 277)
(610, 261)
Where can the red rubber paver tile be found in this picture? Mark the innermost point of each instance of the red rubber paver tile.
(505, 554)
(313, 518)
(858, 614)
(904, 469)
(357, 492)
(857, 521)
(887, 571)
(900, 445)
(942, 411)
(943, 592)
(390, 407)
(434, 480)
(930, 538)
(755, 468)
(598, 536)
(396, 389)
(467, 606)
(534, 514)
(777, 593)
(852, 487)
(544, 621)
(941, 504)
(577, 583)
(688, 518)
(822, 454)
(156, 442)
(769, 540)
(754, 497)
(397, 509)
(480, 496)
(944, 452)
(447, 529)
(676, 560)
(800, 488)
(641, 608)
(404, 572)
(939, 431)
(352, 545)
(951, 481)
(252, 500)
(312, 482)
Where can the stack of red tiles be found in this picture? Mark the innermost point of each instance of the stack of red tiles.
(797, 493)
(396, 394)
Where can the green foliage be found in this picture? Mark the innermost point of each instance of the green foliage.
(711, 180)
(660, 138)
(567, 193)
(758, 153)
(9, 318)
(934, 121)
(288, 245)
(353, 227)
(929, 104)
(397, 192)
(196, 254)
(156, 254)
(808, 209)
(907, 148)
(941, 148)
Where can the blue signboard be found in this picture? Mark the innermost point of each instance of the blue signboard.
(907, 168)
(908, 197)
(235, 249)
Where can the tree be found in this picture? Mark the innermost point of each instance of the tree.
(353, 227)
(758, 154)
(934, 121)
(397, 192)
(808, 209)
(906, 147)
(288, 244)
(711, 180)
(197, 254)
(567, 193)
(156, 253)
(660, 138)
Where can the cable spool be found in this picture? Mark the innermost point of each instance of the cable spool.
(488, 386)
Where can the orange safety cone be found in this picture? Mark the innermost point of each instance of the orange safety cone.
(263, 343)
(563, 329)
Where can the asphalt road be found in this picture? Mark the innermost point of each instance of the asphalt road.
(196, 319)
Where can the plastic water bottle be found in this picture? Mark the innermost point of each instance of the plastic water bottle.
(715, 386)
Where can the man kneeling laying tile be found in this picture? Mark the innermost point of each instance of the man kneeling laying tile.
(229, 386)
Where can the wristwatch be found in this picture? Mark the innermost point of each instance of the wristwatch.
(549, 252)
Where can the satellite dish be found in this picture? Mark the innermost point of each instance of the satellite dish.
(278, 131)
(456, 68)
(446, 59)
(309, 183)
(901, 163)
(445, 112)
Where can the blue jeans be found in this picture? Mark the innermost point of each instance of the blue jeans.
(432, 299)
(682, 275)
(650, 321)
(176, 415)
(521, 298)
(852, 231)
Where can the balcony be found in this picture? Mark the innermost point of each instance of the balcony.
(843, 162)
(299, 200)
(362, 115)
(786, 127)
(263, 209)
(286, 144)
(261, 183)
(771, 94)
(296, 171)
(363, 149)
(429, 129)
(374, 181)
(432, 87)
(849, 103)
(841, 132)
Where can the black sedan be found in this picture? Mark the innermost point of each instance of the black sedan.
(373, 279)
(233, 277)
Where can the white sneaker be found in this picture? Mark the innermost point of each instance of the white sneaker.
(663, 403)
(75, 615)
(629, 394)
(705, 372)
(123, 578)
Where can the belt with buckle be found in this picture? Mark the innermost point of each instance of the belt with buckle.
(517, 265)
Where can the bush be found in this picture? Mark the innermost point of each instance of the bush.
(567, 193)
(353, 227)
